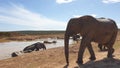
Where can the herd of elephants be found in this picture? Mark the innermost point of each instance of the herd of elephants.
(101, 30)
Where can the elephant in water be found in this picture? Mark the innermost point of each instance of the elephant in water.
(35, 46)
(100, 30)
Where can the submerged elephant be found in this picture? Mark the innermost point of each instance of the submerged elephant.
(34, 47)
(100, 30)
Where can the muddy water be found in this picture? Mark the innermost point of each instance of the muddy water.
(8, 47)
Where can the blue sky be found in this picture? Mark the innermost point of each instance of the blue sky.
(52, 14)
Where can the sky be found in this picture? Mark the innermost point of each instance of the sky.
(18, 15)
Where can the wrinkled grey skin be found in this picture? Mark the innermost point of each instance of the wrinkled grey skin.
(34, 47)
(100, 30)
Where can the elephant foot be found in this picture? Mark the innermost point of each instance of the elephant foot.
(110, 56)
(92, 58)
(79, 62)
(113, 51)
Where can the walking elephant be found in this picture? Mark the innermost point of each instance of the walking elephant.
(35, 46)
(100, 30)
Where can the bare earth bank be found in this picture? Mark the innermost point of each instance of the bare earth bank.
(54, 58)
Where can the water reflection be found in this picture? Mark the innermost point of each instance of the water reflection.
(8, 47)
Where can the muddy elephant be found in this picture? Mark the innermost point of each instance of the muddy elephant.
(100, 30)
(34, 47)
(17, 53)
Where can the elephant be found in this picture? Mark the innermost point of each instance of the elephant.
(35, 46)
(76, 37)
(17, 53)
(99, 30)
(102, 47)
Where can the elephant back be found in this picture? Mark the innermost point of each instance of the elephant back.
(40, 45)
(30, 47)
(107, 23)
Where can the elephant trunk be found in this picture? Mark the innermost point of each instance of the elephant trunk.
(66, 46)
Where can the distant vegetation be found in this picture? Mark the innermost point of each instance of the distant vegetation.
(9, 34)
(20, 33)
(40, 32)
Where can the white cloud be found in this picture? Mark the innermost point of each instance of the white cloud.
(110, 1)
(64, 1)
(94, 15)
(21, 16)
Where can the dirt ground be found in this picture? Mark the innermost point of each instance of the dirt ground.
(54, 58)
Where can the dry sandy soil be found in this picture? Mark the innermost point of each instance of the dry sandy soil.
(54, 58)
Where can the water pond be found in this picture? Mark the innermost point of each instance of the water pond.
(8, 47)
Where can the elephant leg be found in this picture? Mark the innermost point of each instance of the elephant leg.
(91, 52)
(37, 49)
(110, 46)
(44, 48)
(104, 48)
(100, 46)
(84, 42)
(110, 50)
